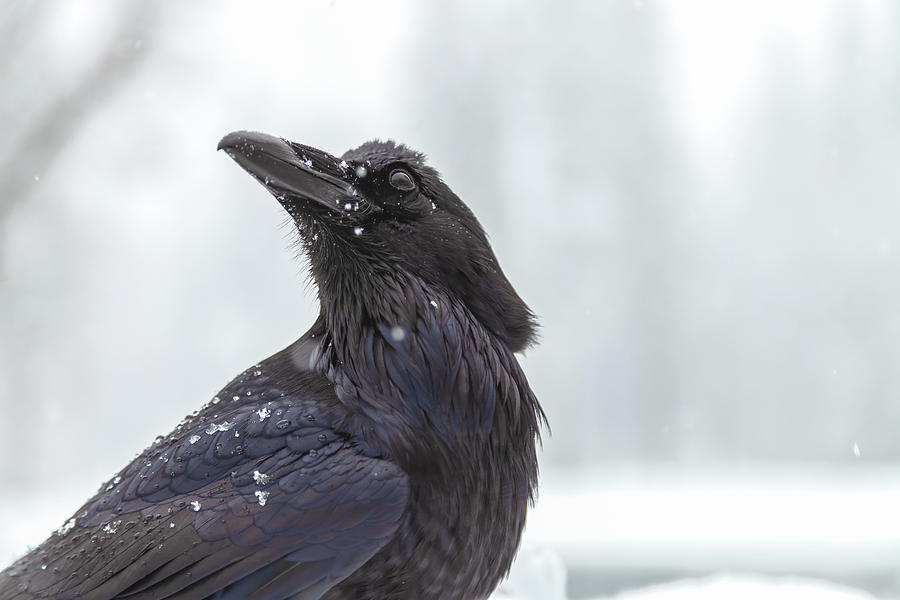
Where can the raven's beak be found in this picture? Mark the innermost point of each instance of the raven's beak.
(290, 171)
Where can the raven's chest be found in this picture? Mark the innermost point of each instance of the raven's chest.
(457, 540)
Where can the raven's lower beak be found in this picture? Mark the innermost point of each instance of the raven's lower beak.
(290, 171)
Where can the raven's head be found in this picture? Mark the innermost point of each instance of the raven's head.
(378, 211)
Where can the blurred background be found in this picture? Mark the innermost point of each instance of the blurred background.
(700, 200)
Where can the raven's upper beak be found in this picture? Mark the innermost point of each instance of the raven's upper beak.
(289, 170)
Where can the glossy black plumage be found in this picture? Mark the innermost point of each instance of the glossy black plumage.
(388, 453)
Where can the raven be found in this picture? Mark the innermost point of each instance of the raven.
(387, 453)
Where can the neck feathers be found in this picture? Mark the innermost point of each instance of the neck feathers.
(434, 386)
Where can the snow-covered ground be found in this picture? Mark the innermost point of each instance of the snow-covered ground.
(828, 524)
(727, 587)
(790, 518)
(720, 587)
(539, 574)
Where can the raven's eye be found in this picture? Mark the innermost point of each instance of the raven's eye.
(401, 180)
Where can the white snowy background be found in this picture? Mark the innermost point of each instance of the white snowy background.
(700, 199)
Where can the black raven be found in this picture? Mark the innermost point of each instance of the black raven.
(387, 453)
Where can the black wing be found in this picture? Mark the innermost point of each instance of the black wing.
(254, 497)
